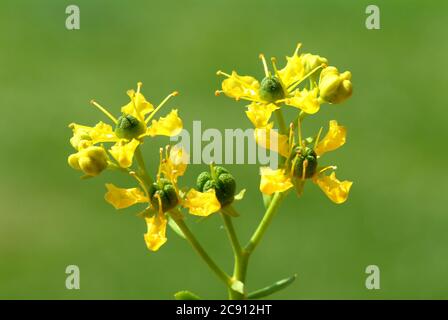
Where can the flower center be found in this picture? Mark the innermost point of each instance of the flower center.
(304, 162)
(129, 127)
(167, 193)
(271, 89)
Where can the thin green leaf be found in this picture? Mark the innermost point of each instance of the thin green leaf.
(186, 295)
(273, 288)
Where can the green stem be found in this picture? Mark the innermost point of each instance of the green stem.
(200, 250)
(265, 222)
(142, 168)
(281, 121)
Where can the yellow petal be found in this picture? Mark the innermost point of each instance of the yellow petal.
(138, 107)
(293, 71)
(122, 198)
(84, 136)
(123, 152)
(202, 203)
(170, 125)
(305, 100)
(336, 190)
(259, 114)
(274, 181)
(155, 237)
(334, 139)
(176, 164)
(270, 139)
(237, 86)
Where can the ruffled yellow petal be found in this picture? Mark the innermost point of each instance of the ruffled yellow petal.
(274, 181)
(170, 125)
(238, 87)
(259, 114)
(123, 152)
(335, 87)
(305, 100)
(293, 71)
(141, 108)
(312, 61)
(122, 198)
(202, 203)
(270, 139)
(176, 163)
(334, 139)
(335, 190)
(155, 237)
(84, 136)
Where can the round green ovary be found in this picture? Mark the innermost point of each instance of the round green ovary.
(271, 89)
(223, 183)
(167, 193)
(298, 157)
(129, 127)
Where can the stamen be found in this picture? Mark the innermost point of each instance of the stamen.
(274, 65)
(294, 85)
(221, 73)
(296, 52)
(291, 137)
(294, 165)
(159, 200)
(299, 130)
(318, 137)
(218, 92)
(265, 65)
(159, 171)
(212, 170)
(327, 168)
(305, 165)
(173, 94)
(103, 110)
(141, 183)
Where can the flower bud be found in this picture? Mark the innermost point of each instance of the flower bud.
(271, 89)
(304, 161)
(167, 193)
(312, 61)
(92, 160)
(129, 127)
(223, 183)
(335, 87)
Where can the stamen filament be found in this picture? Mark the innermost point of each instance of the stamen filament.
(173, 94)
(135, 101)
(265, 65)
(141, 183)
(327, 168)
(104, 110)
(221, 73)
(305, 165)
(299, 130)
(318, 137)
(294, 85)
(297, 49)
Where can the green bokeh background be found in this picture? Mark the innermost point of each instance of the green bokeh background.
(395, 154)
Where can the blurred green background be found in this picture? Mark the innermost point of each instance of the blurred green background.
(395, 217)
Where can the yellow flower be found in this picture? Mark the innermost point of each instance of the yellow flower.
(280, 87)
(122, 198)
(274, 181)
(130, 128)
(301, 164)
(335, 87)
(155, 237)
(202, 203)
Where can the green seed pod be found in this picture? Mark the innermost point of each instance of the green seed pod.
(298, 157)
(271, 89)
(223, 183)
(167, 193)
(129, 127)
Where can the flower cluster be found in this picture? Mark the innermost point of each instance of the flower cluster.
(306, 82)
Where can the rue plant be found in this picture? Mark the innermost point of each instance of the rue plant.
(305, 83)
